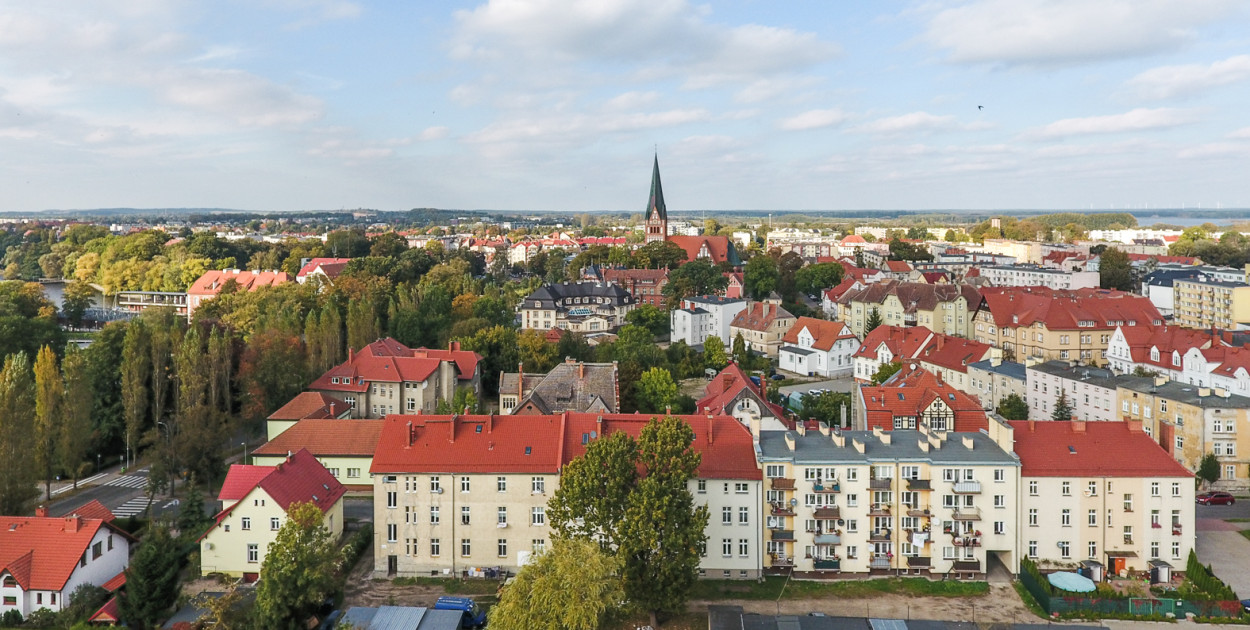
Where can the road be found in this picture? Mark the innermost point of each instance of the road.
(1220, 544)
(1240, 509)
(124, 494)
(843, 385)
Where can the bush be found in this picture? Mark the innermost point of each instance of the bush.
(83, 602)
(11, 618)
(42, 618)
(356, 545)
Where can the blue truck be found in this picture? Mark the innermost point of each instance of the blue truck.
(473, 616)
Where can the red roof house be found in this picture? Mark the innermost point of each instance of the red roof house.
(914, 396)
(43, 559)
(345, 446)
(212, 282)
(388, 377)
(1091, 449)
(328, 269)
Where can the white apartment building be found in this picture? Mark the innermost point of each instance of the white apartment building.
(1028, 276)
(705, 316)
(1090, 391)
(993, 379)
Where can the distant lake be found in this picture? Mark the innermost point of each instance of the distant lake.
(1145, 218)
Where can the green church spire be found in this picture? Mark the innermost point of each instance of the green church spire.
(656, 203)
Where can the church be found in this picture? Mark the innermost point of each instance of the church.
(716, 249)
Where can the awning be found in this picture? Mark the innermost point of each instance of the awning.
(1121, 554)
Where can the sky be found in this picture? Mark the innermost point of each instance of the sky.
(275, 105)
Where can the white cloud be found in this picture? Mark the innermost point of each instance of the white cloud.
(1215, 150)
(1067, 31)
(312, 12)
(917, 122)
(630, 101)
(1244, 132)
(1135, 120)
(1183, 80)
(244, 97)
(433, 133)
(580, 126)
(813, 119)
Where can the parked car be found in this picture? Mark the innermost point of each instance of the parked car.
(1216, 498)
(1245, 605)
(473, 617)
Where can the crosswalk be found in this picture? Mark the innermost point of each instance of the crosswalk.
(130, 481)
(132, 507)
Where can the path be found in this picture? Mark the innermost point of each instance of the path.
(1000, 605)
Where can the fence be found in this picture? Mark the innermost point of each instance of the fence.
(1093, 606)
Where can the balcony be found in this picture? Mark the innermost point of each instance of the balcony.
(832, 538)
(781, 483)
(919, 562)
(967, 487)
(919, 512)
(879, 509)
(783, 534)
(827, 564)
(880, 484)
(880, 535)
(826, 487)
(879, 562)
(919, 484)
(781, 561)
(967, 541)
(968, 514)
(1176, 529)
(781, 509)
(827, 512)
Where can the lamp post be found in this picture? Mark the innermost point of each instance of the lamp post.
(97, 463)
(244, 460)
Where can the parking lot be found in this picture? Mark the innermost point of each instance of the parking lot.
(843, 385)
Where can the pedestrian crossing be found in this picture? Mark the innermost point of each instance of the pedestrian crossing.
(129, 481)
(132, 507)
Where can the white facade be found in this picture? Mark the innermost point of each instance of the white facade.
(1017, 276)
(805, 358)
(734, 528)
(107, 555)
(703, 317)
(1091, 391)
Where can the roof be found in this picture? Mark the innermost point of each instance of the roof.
(911, 392)
(814, 446)
(1099, 309)
(655, 203)
(1091, 449)
(92, 509)
(824, 333)
(952, 353)
(115, 582)
(326, 438)
(331, 267)
(836, 292)
(300, 479)
(1166, 339)
(386, 360)
(759, 316)
(620, 275)
(897, 266)
(727, 388)
(41, 552)
(310, 405)
(1010, 369)
(718, 248)
(569, 386)
(902, 342)
(723, 443)
(109, 612)
(212, 281)
(466, 360)
(914, 296)
(1187, 394)
(240, 480)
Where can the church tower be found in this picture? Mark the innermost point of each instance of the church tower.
(657, 214)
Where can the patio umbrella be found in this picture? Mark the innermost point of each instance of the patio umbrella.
(1071, 582)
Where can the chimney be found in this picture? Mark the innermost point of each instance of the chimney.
(967, 440)
(41, 511)
(824, 429)
(800, 427)
(754, 422)
(520, 382)
(710, 427)
(451, 424)
(1078, 426)
(924, 446)
(859, 446)
(351, 354)
(885, 438)
(332, 414)
(1221, 392)
(1032, 425)
(581, 369)
(877, 431)
(839, 440)
(490, 422)
(790, 440)
(1161, 381)
(410, 434)
(72, 523)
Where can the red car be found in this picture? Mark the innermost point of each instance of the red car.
(1216, 498)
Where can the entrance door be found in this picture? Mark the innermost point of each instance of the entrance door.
(1117, 565)
(392, 565)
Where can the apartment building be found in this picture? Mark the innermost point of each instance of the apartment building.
(1047, 324)
(578, 306)
(1208, 303)
(706, 316)
(914, 397)
(1218, 367)
(941, 354)
(1101, 493)
(1156, 349)
(817, 347)
(1031, 275)
(1190, 421)
(1028, 252)
(388, 377)
(646, 285)
(907, 502)
(1089, 391)
(762, 326)
(209, 285)
(993, 380)
(458, 495)
(942, 308)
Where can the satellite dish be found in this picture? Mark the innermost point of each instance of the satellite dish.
(593, 435)
(794, 502)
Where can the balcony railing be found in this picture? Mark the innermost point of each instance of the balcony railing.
(967, 541)
(827, 512)
(967, 487)
(827, 564)
(879, 509)
(880, 535)
(826, 487)
(783, 534)
(781, 561)
(879, 562)
(968, 514)
(832, 538)
(917, 511)
(880, 484)
(781, 483)
(919, 484)
(781, 509)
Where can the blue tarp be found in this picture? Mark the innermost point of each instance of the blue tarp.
(1071, 582)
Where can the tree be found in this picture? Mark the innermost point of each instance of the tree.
(760, 276)
(18, 475)
(659, 255)
(135, 364)
(884, 372)
(1013, 407)
(75, 412)
(1115, 270)
(874, 320)
(741, 355)
(535, 353)
(1208, 469)
(697, 277)
(151, 581)
(78, 298)
(594, 491)
(827, 407)
(655, 391)
(49, 393)
(651, 318)
(571, 586)
(714, 353)
(300, 570)
(812, 279)
(1063, 410)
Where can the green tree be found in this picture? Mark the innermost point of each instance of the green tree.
(655, 391)
(741, 355)
(535, 353)
(18, 475)
(78, 298)
(697, 277)
(49, 395)
(884, 372)
(651, 318)
(75, 433)
(498, 347)
(760, 276)
(572, 586)
(827, 407)
(874, 320)
(659, 255)
(136, 363)
(594, 490)
(151, 581)
(1115, 270)
(1063, 410)
(813, 279)
(300, 570)
(1013, 407)
(714, 353)
(1208, 469)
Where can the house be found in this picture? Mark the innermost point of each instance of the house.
(705, 316)
(817, 347)
(388, 377)
(736, 287)
(915, 397)
(714, 249)
(1048, 324)
(900, 270)
(569, 386)
(1101, 492)
(585, 307)
(468, 492)
(645, 285)
(43, 558)
(943, 308)
(1032, 275)
(305, 405)
(762, 325)
(1209, 303)
(326, 269)
(1158, 349)
(255, 500)
(1090, 391)
(733, 393)
(904, 502)
(213, 282)
(887, 344)
(992, 380)
(344, 447)
(829, 297)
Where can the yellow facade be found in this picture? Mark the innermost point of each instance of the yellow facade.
(1190, 421)
(948, 318)
(349, 470)
(1087, 345)
(238, 543)
(1207, 304)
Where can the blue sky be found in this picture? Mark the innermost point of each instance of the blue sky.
(557, 105)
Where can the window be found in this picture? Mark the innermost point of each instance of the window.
(392, 532)
(97, 550)
(392, 499)
(1093, 518)
(464, 515)
(1032, 517)
(852, 500)
(852, 474)
(1128, 503)
(774, 471)
(740, 488)
(1065, 550)
(1154, 550)
(466, 548)
(434, 515)
(1065, 517)
(501, 484)
(436, 485)
(702, 486)
(1000, 500)
(1092, 488)
(1154, 488)
(1066, 489)
(1032, 488)
(435, 548)
(744, 547)
(538, 515)
(538, 485)
(502, 551)
(502, 517)
(1176, 550)
(245, 523)
(1128, 534)
(275, 523)
(464, 484)
(726, 547)
(744, 516)
(353, 473)
(1230, 471)
(1093, 549)
(253, 553)
(1000, 475)
(1000, 527)
(1032, 548)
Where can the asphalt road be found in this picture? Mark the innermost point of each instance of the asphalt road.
(359, 508)
(125, 495)
(1240, 509)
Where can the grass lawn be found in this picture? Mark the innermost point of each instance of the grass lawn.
(1237, 520)
(452, 586)
(1246, 533)
(772, 588)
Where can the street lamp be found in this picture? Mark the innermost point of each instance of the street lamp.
(97, 463)
(244, 460)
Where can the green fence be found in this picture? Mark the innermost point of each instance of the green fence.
(1094, 606)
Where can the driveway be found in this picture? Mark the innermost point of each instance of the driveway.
(1228, 553)
(843, 385)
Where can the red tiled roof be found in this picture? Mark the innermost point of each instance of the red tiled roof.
(212, 281)
(910, 392)
(332, 267)
(717, 246)
(847, 284)
(953, 353)
(902, 342)
(1228, 360)
(1091, 449)
(109, 612)
(92, 509)
(914, 296)
(1167, 339)
(897, 266)
(1063, 309)
(240, 480)
(852, 238)
(41, 552)
(386, 357)
(759, 316)
(469, 443)
(300, 478)
(327, 438)
(114, 583)
(723, 388)
(824, 333)
(1179, 260)
(722, 442)
(309, 405)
